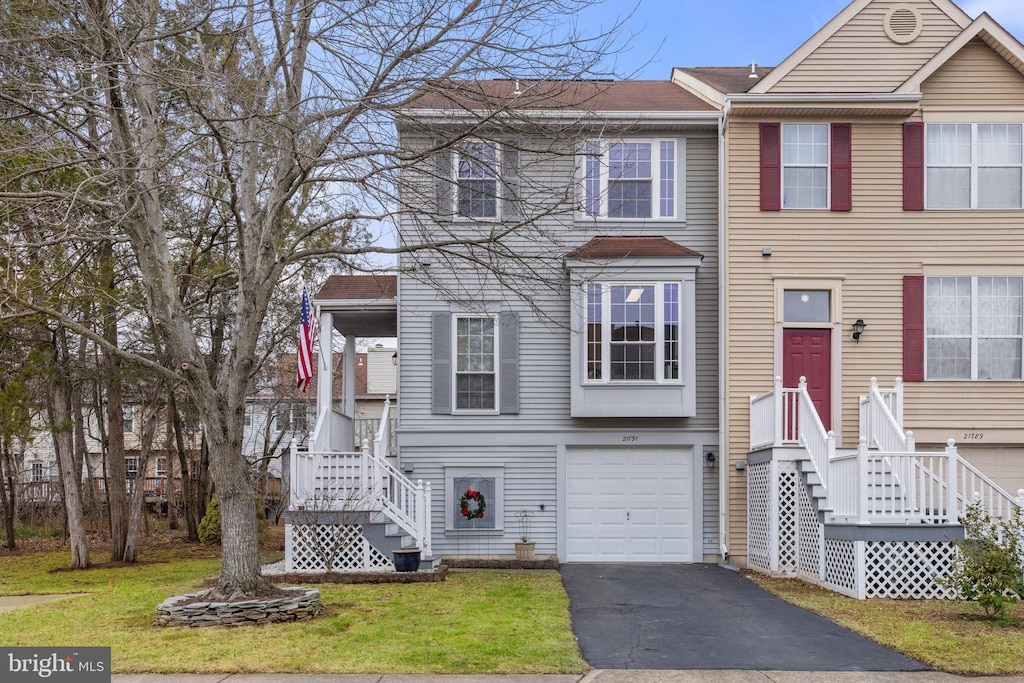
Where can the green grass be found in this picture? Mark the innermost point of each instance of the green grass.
(944, 634)
(473, 623)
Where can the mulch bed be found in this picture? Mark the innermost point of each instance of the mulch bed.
(499, 563)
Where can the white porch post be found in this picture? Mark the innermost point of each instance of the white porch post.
(863, 482)
(951, 482)
(325, 372)
(348, 377)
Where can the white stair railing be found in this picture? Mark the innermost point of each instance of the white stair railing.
(975, 486)
(820, 444)
(774, 417)
(382, 441)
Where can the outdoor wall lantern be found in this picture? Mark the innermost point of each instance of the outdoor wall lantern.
(858, 329)
(394, 358)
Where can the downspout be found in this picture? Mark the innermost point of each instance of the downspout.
(723, 444)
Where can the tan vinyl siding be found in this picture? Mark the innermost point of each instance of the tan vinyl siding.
(871, 247)
(859, 57)
(975, 74)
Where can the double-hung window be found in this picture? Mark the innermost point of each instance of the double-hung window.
(630, 179)
(131, 466)
(974, 327)
(37, 472)
(805, 166)
(476, 352)
(633, 332)
(128, 417)
(973, 166)
(476, 170)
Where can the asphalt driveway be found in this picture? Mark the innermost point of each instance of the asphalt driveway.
(702, 616)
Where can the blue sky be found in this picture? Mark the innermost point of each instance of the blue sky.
(669, 33)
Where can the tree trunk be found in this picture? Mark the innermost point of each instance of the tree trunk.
(117, 476)
(7, 493)
(240, 568)
(81, 448)
(137, 501)
(59, 407)
(188, 496)
(172, 495)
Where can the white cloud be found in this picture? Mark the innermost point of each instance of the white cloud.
(1009, 13)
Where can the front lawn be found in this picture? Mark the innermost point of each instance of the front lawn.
(944, 634)
(476, 623)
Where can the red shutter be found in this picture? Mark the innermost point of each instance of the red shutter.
(913, 328)
(913, 167)
(842, 194)
(771, 168)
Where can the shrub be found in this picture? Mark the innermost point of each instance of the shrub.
(209, 527)
(989, 567)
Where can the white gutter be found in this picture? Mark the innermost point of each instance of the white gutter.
(568, 116)
(825, 98)
(723, 443)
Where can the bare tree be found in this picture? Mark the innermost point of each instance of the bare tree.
(226, 144)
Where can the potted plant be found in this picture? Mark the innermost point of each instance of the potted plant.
(524, 546)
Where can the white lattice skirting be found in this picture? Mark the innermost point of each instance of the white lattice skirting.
(786, 538)
(331, 547)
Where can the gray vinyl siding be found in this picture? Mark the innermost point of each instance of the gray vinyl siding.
(526, 444)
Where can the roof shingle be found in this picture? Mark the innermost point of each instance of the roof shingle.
(635, 247)
(573, 95)
(727, 79)
(343, 287)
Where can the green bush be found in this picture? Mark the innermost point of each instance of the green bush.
(209, 527)
(989, 567)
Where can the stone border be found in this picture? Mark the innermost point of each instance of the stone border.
(248, 612)
(550, 562)
(437, 574)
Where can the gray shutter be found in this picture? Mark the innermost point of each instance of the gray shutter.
(443, 180)
(441, 356)
(509, 342)
(511, 201)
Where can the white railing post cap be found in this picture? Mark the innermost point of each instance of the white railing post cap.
(874, 382)
(898, 380)
(950, 443)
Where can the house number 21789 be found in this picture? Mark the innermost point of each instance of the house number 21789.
(974, 436)
(630, 438)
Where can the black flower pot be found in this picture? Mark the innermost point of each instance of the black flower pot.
(407, 560)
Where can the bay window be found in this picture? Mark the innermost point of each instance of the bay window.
(633, 332)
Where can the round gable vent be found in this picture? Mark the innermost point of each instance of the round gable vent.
(903, 23)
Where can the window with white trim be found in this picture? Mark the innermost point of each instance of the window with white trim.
(36, 475)
(630, 179)
(805, 165)
(131, 466)
(973, 166)
(476, 179)
(476, 353)
(128, 416)
(633, 332)
(161, 466)
(974, 328)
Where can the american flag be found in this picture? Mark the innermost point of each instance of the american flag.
(307, 330)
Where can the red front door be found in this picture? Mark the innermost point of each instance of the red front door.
(808, 353)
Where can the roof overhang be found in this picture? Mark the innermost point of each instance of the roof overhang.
(985, 28)
(362, 317)
(827, 104)
(699, 88)
(651, 263)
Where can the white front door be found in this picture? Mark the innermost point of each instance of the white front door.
(629, 505)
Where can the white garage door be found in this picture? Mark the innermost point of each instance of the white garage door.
(629, 505)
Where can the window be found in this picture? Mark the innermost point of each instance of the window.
(131, 466)
(633, 332)
(630, 179)
(476, 169)
(973, 166)
(805, 165)
(476, 379)
(248, 416)
(807, 306)
(37, 472)
(973, 327)
(128, 414)
(298, 417)
(161, 466)
(280, 418)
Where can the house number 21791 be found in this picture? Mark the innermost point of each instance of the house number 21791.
(630, 438)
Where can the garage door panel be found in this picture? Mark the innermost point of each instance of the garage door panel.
(629, 505)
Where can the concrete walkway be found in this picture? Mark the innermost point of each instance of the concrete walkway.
(9, 602)
(597, 676)
(702, 616)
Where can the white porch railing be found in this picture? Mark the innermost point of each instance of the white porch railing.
(885, 481)
(357, 482)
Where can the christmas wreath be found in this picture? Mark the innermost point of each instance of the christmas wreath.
(481, 504)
